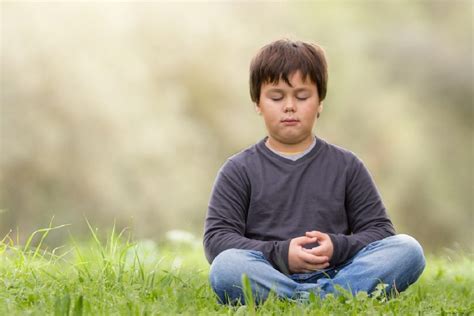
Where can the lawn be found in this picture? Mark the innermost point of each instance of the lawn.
(116, 275)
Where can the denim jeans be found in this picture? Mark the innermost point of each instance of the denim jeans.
(396, 261)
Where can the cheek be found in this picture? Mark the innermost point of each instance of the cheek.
(273, 120)
(271, 114)
(313, 108)
(310, 111)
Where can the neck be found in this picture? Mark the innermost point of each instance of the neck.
(290, 148)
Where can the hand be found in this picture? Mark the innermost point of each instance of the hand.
(325, 247)
(300, 260)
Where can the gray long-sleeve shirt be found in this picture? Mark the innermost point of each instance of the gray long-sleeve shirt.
(260, 201)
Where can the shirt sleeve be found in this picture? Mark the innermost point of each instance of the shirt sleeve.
(366, 214)
(226, 220)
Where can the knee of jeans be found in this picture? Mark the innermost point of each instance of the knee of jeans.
(411, 251)
(226, 271)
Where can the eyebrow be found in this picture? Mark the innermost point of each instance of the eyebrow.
(281, 90)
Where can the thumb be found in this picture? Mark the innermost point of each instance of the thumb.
(303, 240)
(320, 236)
(315, 233)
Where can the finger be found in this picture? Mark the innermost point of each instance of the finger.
(304, 240)
(308, 268)
(315, 267)
(317, 234)
(317, 251)
(312, 259)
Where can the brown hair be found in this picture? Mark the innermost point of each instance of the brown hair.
(280, 59)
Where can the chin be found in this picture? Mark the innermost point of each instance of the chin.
(291, 140)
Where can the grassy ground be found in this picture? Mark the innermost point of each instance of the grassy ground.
(116, 276)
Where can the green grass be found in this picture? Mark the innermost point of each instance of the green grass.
(118, 276)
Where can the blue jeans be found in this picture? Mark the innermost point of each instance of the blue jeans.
(396, 261)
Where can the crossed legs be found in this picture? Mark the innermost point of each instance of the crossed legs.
(397, 261)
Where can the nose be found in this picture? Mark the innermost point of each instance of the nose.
(289, 106)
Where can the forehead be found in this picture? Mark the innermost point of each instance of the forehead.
(295, 80)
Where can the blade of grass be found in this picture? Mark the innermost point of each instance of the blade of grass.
(248, 295)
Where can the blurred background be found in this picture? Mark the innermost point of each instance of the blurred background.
(124, 112)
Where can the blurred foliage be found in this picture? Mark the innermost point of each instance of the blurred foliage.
(125, 111)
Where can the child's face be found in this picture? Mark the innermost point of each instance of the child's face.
(289, 112)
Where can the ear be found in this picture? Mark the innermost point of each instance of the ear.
(257, 109)
(320, 108)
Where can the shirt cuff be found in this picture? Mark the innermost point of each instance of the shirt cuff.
(339, 242)
(280, 260)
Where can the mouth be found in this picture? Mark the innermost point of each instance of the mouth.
(290, 121)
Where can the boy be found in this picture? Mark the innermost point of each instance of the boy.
(293, 212)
